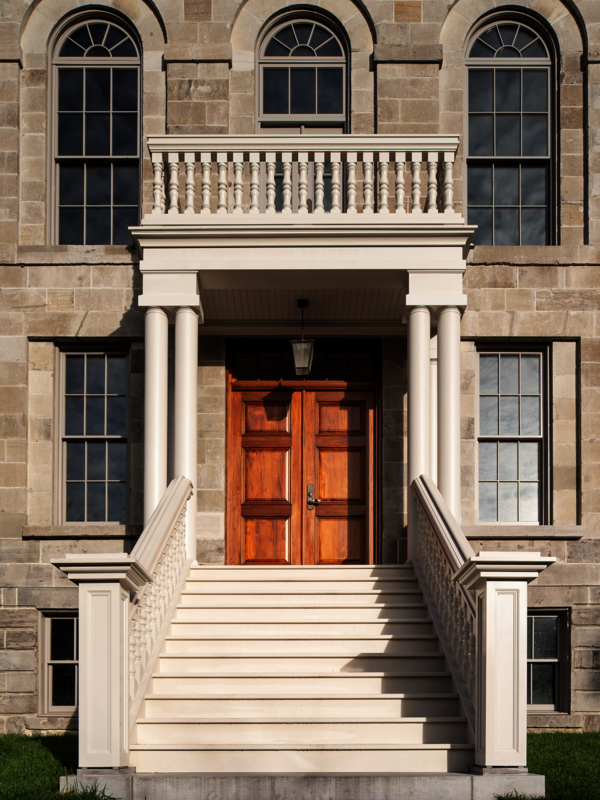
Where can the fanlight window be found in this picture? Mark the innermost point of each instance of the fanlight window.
(304, 40)
(508, 41)
(98, 40)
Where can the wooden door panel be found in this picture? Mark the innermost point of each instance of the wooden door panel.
(341, 418)
(266, 540)
(266, 475)
(341, 540)
(266, 417)
(341, 475)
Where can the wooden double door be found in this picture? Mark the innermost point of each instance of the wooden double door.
(286, 447)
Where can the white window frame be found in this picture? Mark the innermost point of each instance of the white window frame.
(46, 663)
(563, 647)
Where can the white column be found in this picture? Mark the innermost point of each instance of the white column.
(433, 404)
(185, 456)
(155, 408)
(449, 407)
(419, 321)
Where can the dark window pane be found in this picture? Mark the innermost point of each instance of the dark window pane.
(95, 375)
(530, 416)
(488, 502)
(275, 48)
(509, 374)
(303, 52)
(509, 416)
(63, 679)
(330, 49)
(506, 186)
(330, 91)
(506, 226)
(534, 186)
(82, 37)
(97, 52)
(488, 416)
(545, 631)
(125, 90)
(529, 637)
(275, 91)
(508, 90)
(114, 36)
(96, 461)
(62, 639)
(507, 461)
(97, 229)
(287, 36)
(117, 461)
(535, 90)
(480, 186)
(535, 50)
(123, 218)
(530, 374)
(98, 31)
(125, 50)
(70, 89)
(508, 135)
(302, 91)
(98, 185)
(508, 52)
(481, 50)
(117, 502)
(74, 374)
(534, 227)
(70, 226)
(70, 134)
(508, 33)
(97, 134)
(535, 135)
(124, 134)
(481, 90)
(97, 89)
(482, 217)
(71, 50)
(94, 423)
(319, 37)
(507, 502)
(116, 416)
(524, 37)
(303, 31)
(492, 38)
(74, 416)
(488, 458)
(75, 502)
(488, 375)
(71, 185)
(96, 502)
(75, 461)
(116, 374)
(125, 185)
(481, 135)
(542, 680)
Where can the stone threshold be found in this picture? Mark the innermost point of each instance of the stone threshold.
(524, 531)
(81, 531)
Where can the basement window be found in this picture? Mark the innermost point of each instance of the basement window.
(547, 660)
(59, 648)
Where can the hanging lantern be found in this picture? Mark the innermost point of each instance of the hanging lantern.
(303, 349)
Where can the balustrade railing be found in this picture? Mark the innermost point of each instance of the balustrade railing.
(266, 174)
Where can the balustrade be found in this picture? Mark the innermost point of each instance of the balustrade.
(285, 174)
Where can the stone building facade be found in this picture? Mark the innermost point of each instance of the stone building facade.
(406, 75)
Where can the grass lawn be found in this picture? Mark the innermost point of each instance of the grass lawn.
(570, 762)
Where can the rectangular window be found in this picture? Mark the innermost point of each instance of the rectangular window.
(60, 658)
(94, 447)
(547, 657)
(511, 437)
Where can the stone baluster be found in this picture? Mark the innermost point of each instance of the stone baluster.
(238, 186)
(222, 183)
(254, 183)
(448, 183)
(270, 158)
(158, 186)
(432, 162)
(173, 159)
(205, 160)
(303, 183)
(335, 183)
(319, 183)
(351, 159)
(383, 207)
(190, 181)
(367, 183)
(287, 183)
(400, 168)
(416, 182)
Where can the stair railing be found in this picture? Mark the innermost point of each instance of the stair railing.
(478, 604)
(126, 603)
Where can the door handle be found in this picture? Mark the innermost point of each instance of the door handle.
(311, 500)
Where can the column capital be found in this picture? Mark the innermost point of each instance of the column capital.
(451, 306)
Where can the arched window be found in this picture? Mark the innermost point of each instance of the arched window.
(96, 67)
(509, 141)
(302, 69)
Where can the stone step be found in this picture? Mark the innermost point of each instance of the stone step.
(297, 662)
(286, 600)
(314, 705)
(347, 627)
(287, 644)
(277, 684)
(349, 571)
(295, 586)
(301, 612)
(298, 731)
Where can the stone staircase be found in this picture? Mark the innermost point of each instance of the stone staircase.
(301, 670)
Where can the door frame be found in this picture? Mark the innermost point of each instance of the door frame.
(234, 386)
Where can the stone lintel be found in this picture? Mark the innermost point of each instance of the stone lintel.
(408, 54)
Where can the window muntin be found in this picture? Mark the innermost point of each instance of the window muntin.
(509, 136)
(547, 649)
(95, 440)
(511, 442)
(60, 655)
(97, 135)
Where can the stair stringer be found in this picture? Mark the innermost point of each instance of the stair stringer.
(457, 679)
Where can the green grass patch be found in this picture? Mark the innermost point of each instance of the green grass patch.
(31, 767)
(570, 762)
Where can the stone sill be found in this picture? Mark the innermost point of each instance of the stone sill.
(81, 531)
(562, 255)
(524, 531)
(554, 719)
(62, 254)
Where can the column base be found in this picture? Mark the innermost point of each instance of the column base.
(477, 770)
